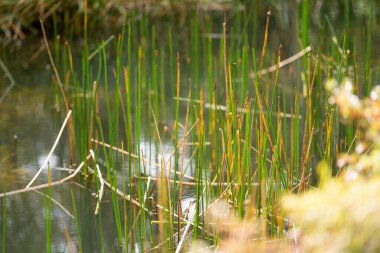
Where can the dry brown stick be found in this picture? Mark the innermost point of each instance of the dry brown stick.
(51, 184)
(148, 161)
(191, 219)
(282, 63)
(183, 140)
(67, 236)
(67, 105)
(156, 165)
(219, 107)
(158, 135)
(126, 153)
(120, 193)
(10, 78)
(94, 53)
(194, 183)
(53, 66)
(139, 213)
(7, 73)
(303, 173)
(99, 175)
(52, 149)
(182, 170)
(42, 186)
(57, 203)
(269, 13)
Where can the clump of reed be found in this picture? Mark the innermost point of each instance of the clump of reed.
(243, 136)
(247, 138)
(238, 149)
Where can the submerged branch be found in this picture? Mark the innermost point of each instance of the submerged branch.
(239, 109)
(282, 63)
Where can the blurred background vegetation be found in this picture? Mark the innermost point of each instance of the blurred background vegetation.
(19, 19)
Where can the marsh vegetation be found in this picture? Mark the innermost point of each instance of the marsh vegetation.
(177, 126)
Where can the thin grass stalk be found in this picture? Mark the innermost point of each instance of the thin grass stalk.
(177, 112)
(195, 61)
(329, 137)
(165, 196)
(183, 170)
(269, 13)
(172, 60)
(124, 188)
(295, 128)
(98, 210)
(225, 64)
(113, 184)
(138, 118)
(161, 200)
(101, 237)
(162, 88)
(228, 99)
(129, 40)
(245, 162)
(84, 113)
(199, 170)
(305, 22)
(245, 75)
(154, 72)
(233, 140)
(285, 145)
(85, 29)
(115, 117)
(4, 236)
(256, 83)
(210, 79)
(77, 222)
(48, 214)
(128, 124)
(310, 119)
(66, 103)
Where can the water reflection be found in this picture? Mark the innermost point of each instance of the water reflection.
(35, 123)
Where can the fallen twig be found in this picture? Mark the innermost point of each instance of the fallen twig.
(10, 78)
(42, 186)
(156, 165)
(282, 63)
(239, 109)
(101, 190)
(191, 219)
(57, 203)
(52, 149)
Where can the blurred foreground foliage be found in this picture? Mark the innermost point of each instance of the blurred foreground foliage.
(342, 214)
